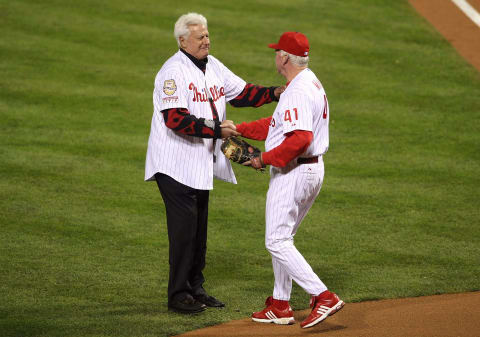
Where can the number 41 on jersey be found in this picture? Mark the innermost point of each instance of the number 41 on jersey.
(288, 115)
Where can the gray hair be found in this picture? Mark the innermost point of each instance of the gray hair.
(299, 61)
(181, 26)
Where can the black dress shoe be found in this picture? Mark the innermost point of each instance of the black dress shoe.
(186, 305)
(209, 301)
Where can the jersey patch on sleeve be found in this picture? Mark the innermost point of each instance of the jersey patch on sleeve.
(169, 87)
(171, 99)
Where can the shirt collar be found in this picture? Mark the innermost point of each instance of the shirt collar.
(201, 64)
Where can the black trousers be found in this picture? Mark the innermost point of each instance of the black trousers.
(187, 215)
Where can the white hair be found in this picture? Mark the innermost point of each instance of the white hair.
(181, 26)
(299, 61)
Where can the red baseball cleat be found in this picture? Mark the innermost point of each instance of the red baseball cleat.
(276, 311)
(324, 305)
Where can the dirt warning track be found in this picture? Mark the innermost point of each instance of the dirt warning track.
(454, 25)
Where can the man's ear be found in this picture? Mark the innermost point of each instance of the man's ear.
(182, 42)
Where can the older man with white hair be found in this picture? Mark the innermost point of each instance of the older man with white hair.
(296, 138)
(183, 155)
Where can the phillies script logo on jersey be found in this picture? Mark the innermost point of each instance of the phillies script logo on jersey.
(201, 96)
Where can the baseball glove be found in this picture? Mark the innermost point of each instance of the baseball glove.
(238, 150)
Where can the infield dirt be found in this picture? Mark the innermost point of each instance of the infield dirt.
(441, 315)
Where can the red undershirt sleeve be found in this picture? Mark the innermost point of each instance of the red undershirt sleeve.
(295, 143)
(257, 130)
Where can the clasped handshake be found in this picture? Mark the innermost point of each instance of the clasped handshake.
(229, 129)
(238, 150)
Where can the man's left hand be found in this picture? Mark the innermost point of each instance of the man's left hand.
(278, 91)
(255, 162)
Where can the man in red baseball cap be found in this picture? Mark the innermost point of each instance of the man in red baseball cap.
(292, 54)
(293, 43)
(296, 138)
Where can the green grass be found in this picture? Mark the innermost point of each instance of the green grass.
(84, 250)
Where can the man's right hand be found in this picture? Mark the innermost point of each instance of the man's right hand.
(229, 129)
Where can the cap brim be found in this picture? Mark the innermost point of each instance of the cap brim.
(274, 46)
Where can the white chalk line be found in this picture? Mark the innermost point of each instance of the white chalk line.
(468, 10)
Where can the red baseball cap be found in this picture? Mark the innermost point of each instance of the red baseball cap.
(293, 43)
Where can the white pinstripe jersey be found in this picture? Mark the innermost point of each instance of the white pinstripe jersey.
(187, 159)
(302, 106)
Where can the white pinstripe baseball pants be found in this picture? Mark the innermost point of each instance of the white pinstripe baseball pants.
(291, 193)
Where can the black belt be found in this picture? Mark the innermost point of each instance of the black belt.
(311, 160)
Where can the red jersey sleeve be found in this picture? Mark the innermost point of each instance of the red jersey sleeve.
(294, 145)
